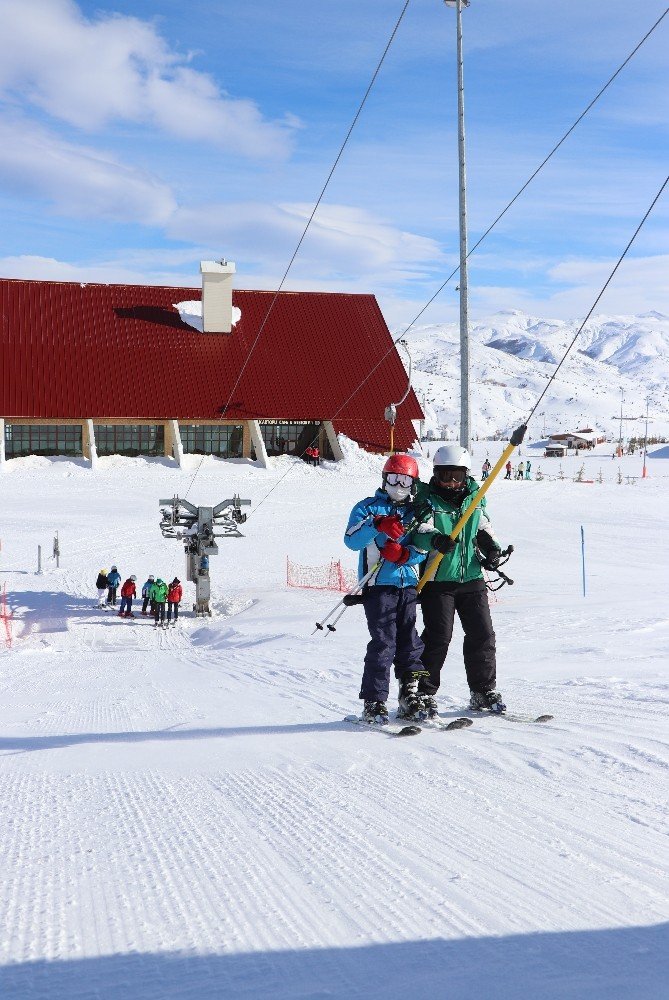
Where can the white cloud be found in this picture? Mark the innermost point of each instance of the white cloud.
(343, 242)
(116, 68)
(106, 272)
(78, 180)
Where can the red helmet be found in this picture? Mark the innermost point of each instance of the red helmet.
(405, 465)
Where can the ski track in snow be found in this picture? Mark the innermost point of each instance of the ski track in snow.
(185, 814)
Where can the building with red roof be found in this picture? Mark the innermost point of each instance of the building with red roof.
(129, 369)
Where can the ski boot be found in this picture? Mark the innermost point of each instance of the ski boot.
(376, 713)
(409, 700)
(487, 701)
(428, 704)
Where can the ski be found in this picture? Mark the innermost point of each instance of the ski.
(436, 723)
(389, 728)
(509, 716)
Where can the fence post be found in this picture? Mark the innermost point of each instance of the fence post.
(39, 560)
(583, 556)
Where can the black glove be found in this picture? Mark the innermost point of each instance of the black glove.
(351, 599)
(443, 544)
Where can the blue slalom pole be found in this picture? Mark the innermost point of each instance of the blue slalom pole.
(583, 556)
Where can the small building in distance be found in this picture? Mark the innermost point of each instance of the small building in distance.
(92, 370)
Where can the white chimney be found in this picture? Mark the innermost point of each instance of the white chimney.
(216, 295)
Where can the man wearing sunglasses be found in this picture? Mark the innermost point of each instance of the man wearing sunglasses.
(376, 529)
(458, 585)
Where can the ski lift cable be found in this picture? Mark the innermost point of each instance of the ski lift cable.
(594, 305)
(311, 217)
(486, 233)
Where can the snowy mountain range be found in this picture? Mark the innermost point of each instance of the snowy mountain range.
(616, 360)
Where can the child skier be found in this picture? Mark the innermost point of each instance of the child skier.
(174, 595)
(128, 591)
(101, 585)
(376, 529)
(113, 580)
(158, 596)
(145, 595)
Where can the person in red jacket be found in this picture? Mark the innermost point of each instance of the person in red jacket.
(174, 595)
(128, 591)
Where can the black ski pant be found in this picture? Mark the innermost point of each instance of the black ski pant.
(111, 595)
(391, 619)
(159, 611)
(172, 605)
(439, 603)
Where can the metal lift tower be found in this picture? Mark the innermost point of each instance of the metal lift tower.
(196, 527)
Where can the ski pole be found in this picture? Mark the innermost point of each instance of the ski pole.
(426, 508)
(516, 439)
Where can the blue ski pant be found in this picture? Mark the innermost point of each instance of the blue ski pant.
(391, 619)
(126, 605)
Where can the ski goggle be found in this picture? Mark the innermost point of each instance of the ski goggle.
(399, 479)
(451, 474)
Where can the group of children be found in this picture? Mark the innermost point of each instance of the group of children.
(156, 595)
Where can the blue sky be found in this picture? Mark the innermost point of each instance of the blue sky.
(137, 138)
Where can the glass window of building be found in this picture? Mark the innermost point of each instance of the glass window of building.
(223, 440)
(130, 439)
(284, 438)
(42, 439)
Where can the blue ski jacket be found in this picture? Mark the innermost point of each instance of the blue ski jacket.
(113, 579)
(146, 587)
(362, 537)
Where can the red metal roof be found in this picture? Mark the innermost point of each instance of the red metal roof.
(121, 351)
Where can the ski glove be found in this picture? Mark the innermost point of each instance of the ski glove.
(443, 544)
(390, 525)
(395, 553)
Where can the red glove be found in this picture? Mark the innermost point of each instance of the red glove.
(390, 524)
(395, 553)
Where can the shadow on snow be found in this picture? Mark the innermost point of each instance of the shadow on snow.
(617, 964)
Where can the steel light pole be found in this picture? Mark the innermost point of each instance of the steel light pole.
(465, 404)
(620, 436)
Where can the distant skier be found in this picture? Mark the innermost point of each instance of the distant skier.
(101, 585)
(520, 474)
(158, 595)
(174, 595)
(376, 529)
(315, 456)
(146, 599)
(485, 471)
(509, 470)
(458, 584)
(113, 580)
(528, 467)
(128, 591)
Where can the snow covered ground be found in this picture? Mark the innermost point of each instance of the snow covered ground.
(184, 814)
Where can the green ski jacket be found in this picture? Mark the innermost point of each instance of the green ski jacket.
(461, 565)
(158, 592)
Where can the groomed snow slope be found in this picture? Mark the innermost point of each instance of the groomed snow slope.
(184, 814)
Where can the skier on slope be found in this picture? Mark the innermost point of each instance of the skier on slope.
(458, 584)
(128, 591)
(113, 581)
(146, 588)
(101, 585)
(158, 596)
(174, 595)
(376, 529)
